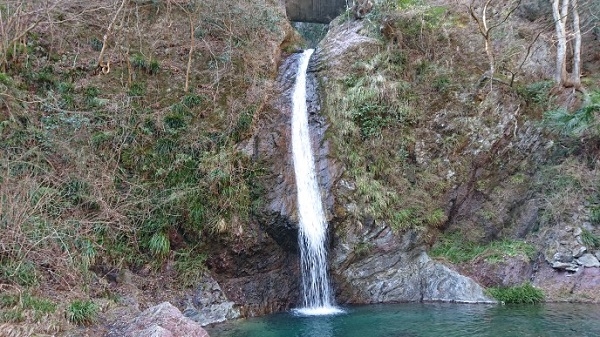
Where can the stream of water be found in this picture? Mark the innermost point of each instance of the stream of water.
(427, 320)
(316, 290)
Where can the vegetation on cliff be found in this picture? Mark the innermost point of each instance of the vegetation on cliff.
(119, 124)
(123, 127)
(450, 121)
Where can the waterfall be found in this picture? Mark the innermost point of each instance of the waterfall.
(316, 290)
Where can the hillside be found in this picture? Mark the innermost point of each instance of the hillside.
(143, 155)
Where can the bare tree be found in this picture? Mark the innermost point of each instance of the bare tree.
(486, 28)
(560, 13)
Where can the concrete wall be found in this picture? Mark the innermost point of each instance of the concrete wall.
(317, 11)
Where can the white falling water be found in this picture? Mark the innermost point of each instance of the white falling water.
(316, 290)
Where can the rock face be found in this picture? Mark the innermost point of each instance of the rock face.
(393, 269)
(255, 273)
(163, 320)
(209, 305)
(371, 263)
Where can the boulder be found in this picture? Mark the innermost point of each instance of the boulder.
(588, 261)
(209, 304)
(163, 320)
(397, 270)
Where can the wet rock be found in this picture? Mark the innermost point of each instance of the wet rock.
(255, 273)
(273, 143)
(209, 304)
(163, 320)
(588, 261)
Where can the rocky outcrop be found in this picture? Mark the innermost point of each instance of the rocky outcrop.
(208, 304)
(254, 272)
(396, 269)
(370, 262)
(163, 320)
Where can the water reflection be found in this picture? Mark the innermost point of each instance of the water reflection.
(427, 320)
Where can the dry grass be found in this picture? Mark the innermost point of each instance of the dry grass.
(95, 161)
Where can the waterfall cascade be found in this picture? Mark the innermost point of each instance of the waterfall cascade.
(316, 290)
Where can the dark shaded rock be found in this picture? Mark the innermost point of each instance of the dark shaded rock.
(255, 273)
(163, 320)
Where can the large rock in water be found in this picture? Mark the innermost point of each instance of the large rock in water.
(163, 320)
(395, 270)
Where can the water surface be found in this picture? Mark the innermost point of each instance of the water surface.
(426, 320)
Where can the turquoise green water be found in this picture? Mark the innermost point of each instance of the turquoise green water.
(427, 320)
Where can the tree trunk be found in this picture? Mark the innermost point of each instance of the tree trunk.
(576, 75)
(560, 18)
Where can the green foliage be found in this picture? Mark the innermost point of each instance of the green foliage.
(190, 266)
(589, 239)
(582, 121)
(537, 92)
(91, 97)
(5, 79)
(159, 244)
(137, 89)
(45, 79)
(151, 67)
(21, 272)
(192, 100)
(175, 121)
(11, 316)
(456, 249)
(595, 215)
(15, 307)
(82, 312)
(524, 294)
(363, 248)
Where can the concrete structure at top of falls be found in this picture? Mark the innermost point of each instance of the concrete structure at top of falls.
(316, 11)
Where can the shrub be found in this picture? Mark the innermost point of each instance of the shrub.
(589, 239)
(159, 244)
(19, 272)
(456, 249)
(578, 123)
(136, 89)
(82, 312)
(523, 294)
